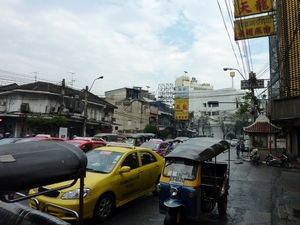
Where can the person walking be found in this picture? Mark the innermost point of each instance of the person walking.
(242, 147)
(238, 148)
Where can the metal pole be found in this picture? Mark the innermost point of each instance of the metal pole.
(85, 111)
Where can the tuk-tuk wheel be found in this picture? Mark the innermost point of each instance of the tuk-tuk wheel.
(222, 204)
(171, 217)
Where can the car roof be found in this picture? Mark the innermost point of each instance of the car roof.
(120, 147)
(40, 139)
(85, 141)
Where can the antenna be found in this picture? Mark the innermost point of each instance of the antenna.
(35, 77)
(72, 81)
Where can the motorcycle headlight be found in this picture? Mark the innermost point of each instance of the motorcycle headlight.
(74, 194)
(173, 191)
(158, 187)
(193, 192)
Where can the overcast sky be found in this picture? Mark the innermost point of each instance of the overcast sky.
(129, 42)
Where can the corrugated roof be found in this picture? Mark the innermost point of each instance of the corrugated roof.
(262, 125)
(53, 88)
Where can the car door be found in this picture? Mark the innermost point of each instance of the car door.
(130, 182)
(149, 170)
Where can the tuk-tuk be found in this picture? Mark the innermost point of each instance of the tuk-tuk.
(192, 182)
(32, 165)
(139, 138)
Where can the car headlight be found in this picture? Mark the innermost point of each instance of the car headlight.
(193, 192)
(158, 187)
(74, 194)
(173, 191)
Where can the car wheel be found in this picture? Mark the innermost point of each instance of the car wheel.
(104, 207)
(222, 204)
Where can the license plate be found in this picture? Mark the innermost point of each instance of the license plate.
(176, 180)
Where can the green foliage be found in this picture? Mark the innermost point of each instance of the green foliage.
(45, 125)
(149, 128)
(246, 106)
(165, 133)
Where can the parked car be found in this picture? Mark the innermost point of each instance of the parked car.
(246, 142)
(233, 142)
(40, 139)
(158, 146)
(115, 176)
(86, 145)
(6, 141)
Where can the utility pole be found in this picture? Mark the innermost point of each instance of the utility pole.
(85, 110)
(250, 84)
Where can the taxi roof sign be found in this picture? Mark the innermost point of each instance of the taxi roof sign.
(120, 144)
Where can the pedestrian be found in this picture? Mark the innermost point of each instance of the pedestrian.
(238, 148)
(1, 135)
(242, 146)
(170, 147)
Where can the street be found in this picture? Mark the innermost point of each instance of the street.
(258, 195)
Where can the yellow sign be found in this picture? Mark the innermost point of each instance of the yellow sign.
(255, 27)
(252, 7)
(181, 104)
(180, 115)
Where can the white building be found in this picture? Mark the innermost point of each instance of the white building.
(204, 100)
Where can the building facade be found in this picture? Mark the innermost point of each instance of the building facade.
(48, 100)
(284, 84)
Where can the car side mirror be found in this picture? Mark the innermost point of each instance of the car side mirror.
(124, 169)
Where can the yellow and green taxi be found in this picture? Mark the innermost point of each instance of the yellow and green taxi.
(116, 174)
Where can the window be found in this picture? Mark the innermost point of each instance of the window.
(260, 140)
(131, 161)
(186, 169)
(147, 158)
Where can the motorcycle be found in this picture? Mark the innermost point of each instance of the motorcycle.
(254, 157)
(192, 184)
(282, 160)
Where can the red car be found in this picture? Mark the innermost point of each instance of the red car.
(158, 146)
(86, 145)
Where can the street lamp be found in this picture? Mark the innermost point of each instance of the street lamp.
(101, 77)
(251, 81)
(225, 69)
(87, 90)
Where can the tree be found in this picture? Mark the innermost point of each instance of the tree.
(245, 107)
(41, 124)
(150, 128)
(224, 121)
(204, 124)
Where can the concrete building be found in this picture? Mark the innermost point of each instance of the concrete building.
(205, 101)
(134, 111)
(47, 100)
(284, 83)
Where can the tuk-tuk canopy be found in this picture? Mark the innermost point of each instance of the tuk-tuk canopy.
(199, 149)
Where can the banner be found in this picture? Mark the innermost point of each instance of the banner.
(255, 27)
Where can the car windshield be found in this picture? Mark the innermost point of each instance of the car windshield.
(183, 168)
(102, 161)
(152, 145)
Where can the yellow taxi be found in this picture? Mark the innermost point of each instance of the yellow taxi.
(116, 174)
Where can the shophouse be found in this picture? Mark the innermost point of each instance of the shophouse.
(81, 108)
